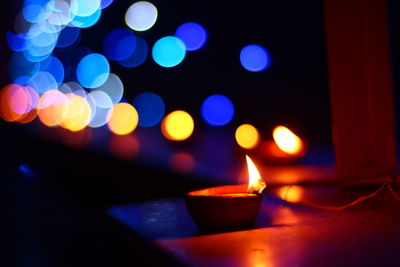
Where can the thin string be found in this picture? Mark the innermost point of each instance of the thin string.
(355, 202)
(393, 181)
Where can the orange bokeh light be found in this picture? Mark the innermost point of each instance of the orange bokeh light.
(287, 141)
(79, 113)
(52, 108)
(123, 119)
(177, 126)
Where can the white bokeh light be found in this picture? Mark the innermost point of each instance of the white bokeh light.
(141, 16)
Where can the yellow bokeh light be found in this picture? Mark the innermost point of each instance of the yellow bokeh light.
(123, 119)
(52, 108)
(79, 113)
(286, 140)
(247, 136)
(291, 193)
(177, 126)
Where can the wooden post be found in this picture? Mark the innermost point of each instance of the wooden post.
(360, 83)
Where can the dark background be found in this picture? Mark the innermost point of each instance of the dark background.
(56, 216)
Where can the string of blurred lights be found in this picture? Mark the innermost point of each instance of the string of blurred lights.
(76, 89)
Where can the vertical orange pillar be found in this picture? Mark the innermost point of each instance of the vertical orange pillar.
(360, 82)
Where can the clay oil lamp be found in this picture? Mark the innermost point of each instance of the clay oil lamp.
(227, 207)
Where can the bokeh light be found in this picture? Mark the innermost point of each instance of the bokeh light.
(68, 36)
(177, 126)
(113, 88)
(35, 11)
(254, 58)
(16, 41)
(287, 140)
(84, 8)
(123, 119)
(247, 136)
(101, 99)
(17, 102)
(79, 113)
(138, 56)
(43, 82)
(19, 66)
(119, 44)
(169, 51)
(150, 107)
(217, 110)
(86, 21)
(106, 3)
(52, 108)
(192, 34)
(93, 70)
(53, 66)
(141, 16)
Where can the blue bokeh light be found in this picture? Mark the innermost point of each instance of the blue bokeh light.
(15, 41)
(217, 110)
(169, 51)
(93, 70)
(192, 34)
(150, 107)
(42, 82)
(35, 11)
(138, 56)
(88, 21)
(106, 3)
(255, 58)
(68, 36)
(119, 44)
(53, 66)
(20, 66)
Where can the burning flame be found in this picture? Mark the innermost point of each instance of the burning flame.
(256, 183)
(287, 141)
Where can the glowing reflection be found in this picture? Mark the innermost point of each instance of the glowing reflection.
(217, 110)
(78, 139)
(182, 162)
(123, 119)
(119, 44)
(247, 136)
(254, 58)
(141, 16)
(291, 193)
(124, 146)
(287, 140)
(138, 56)
(192, 34)
(52, 108)
(93, 70)
(169, 51)
(151, 108)
(177, 126)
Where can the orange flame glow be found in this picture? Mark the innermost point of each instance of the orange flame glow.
(256, 183)
(287, 141)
